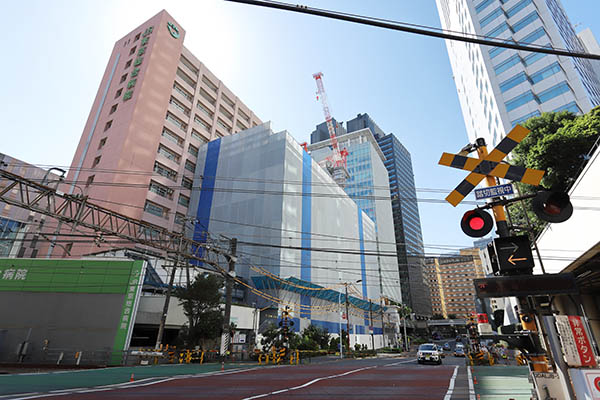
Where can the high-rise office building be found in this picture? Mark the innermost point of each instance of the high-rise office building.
(156, 106)
(405, 213)
(498, 87)
(368, 187)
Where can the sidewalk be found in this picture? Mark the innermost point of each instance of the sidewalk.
(501, 382)
(47, 381)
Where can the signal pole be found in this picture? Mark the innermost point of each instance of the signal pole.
(225, 336)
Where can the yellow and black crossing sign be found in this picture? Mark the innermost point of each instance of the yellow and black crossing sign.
(490, 165)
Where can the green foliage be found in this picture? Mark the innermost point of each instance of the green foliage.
(317, 335)
(451, 316)
(437, 316)
(201, 305)
(559, 143)
(271, 337)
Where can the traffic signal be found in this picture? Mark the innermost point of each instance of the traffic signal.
(476, 223)
(552, 206)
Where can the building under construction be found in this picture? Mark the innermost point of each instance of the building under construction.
(291, 220)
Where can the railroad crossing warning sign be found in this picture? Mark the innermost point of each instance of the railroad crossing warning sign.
(490, 165)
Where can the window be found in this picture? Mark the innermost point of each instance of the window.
(183, 200)
(155, 209)
(123, 78)
(533, 36)
(525, 21)
(209, 83)
(190, 166)
(479, 8)
(226, 113)
(517, 7)
(508, 63)
(128, 64)
(572, 107)
(512, 82)
(546, 72)
(498, 30)
(102, 143)
(193, 150)
(176, 121)
(532, 58)
(113, 108)
(207, 96)
(172, 137)
(205, 110)
(173, 101)
(182, 92)
(187, 183)
(108, 125)
(554, 91)
(199, 137)
(132, 51)
(137, 37)
(179, 218)
(520, 100)
(203, 123)
(89, 180)
(241, 126)
(491, 16)
(228, 101)
(118, 94)
(189, 65)
(244, 116)
(223, 125)
(186, 78)
(496, 51)
(168, 153)
(96, 161)
(165, 171)
(161, 190)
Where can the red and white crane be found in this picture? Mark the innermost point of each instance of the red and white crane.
(336, 162)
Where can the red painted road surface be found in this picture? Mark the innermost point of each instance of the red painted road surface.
(348, 379)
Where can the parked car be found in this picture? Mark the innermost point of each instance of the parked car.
(446, 346)
(429, 352)
(459, 351)
(458, 339)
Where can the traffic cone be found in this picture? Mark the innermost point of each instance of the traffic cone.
(474, 380)
(222, 365)
(131, 378)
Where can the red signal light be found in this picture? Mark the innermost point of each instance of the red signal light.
(476, 223)
(482, 319)
(552, 206)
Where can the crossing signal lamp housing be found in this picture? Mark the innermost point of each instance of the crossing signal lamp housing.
(476, 223)
(552, 206)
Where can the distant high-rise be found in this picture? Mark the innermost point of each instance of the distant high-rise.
(498, 87)
(405, 212)
(156, 106)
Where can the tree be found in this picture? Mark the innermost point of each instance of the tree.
(201, 303)
(318, 336)
(560, 144)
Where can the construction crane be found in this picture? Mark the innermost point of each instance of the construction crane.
(335, 164)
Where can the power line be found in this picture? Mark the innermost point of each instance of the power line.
(399, 26)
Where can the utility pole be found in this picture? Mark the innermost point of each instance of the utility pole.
(347, 316)
(371, 327)
(225, 336)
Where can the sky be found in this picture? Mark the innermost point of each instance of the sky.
(56, 52)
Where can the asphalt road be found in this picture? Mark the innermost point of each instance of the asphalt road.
(374, 378)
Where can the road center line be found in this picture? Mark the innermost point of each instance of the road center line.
(309, 383)
(400, 362)
(451, 386)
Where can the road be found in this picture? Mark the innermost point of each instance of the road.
(374, 378)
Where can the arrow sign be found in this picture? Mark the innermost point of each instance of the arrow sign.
(514, 254)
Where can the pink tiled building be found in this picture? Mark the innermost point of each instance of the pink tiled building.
(156, 105)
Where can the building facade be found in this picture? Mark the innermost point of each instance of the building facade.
(157, 105)
(450, 281)
(405, 213)
(369, 188)
(19, 228)
(265, 189)
(498, 87)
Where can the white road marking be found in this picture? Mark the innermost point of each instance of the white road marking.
(451, 386)
(471, 388)
(309, 383)
(400, 362)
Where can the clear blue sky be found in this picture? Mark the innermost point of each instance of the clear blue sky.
(55, 52)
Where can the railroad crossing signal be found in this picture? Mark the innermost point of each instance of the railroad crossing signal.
(490, 165)
(476, 223)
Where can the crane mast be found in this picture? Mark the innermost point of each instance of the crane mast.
(336, 162)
